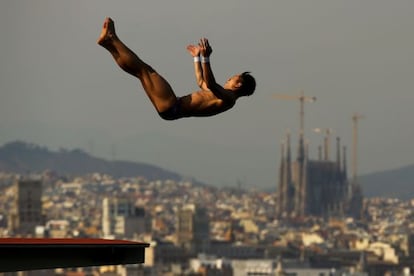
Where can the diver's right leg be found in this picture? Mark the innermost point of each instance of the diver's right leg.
(157, 88)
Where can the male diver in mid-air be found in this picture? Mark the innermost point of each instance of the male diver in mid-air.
(212, 99)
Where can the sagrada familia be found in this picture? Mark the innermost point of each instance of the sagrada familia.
(319, 188)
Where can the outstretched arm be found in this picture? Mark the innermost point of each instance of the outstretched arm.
(195, 53)
(208, 76)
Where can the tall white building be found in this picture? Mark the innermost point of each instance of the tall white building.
(121, 218)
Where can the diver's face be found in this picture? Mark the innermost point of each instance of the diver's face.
(233, 82)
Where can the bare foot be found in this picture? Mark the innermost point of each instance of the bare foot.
(108, 32)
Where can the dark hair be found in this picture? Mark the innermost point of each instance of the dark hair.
(249, 84)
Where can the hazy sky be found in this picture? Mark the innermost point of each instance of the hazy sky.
(60, 89)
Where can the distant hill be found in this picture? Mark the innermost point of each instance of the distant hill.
(397, 183)
(21, 157)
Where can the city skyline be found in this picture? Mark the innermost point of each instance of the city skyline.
(239, 224)
(60, 89)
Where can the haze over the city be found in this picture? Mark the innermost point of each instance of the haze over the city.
(61, 90)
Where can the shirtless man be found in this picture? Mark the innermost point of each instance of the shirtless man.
(212, 99)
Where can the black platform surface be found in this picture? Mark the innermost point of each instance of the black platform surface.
(21, 254)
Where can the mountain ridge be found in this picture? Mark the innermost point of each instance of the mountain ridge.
(22, 157)
(393, 183)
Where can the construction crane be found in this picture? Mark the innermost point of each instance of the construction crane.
(327, 139)
(302, 99)
(355, 118)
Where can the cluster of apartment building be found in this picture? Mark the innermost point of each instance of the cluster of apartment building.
(204, 230)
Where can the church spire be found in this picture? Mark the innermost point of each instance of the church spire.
(344, 167)
(338, 154)
(288, 151)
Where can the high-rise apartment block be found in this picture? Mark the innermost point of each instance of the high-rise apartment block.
(27, 210)
(193, 228)
(121, 218)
